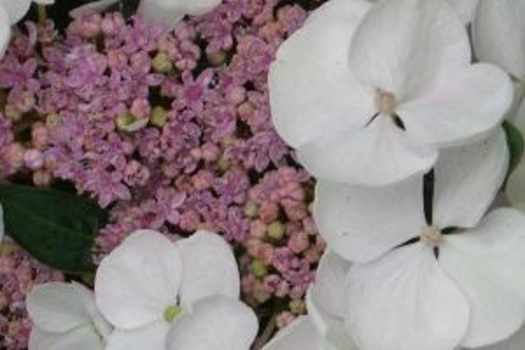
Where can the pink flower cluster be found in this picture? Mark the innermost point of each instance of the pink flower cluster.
(168, 131)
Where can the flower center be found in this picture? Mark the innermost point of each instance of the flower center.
(431, 236)
(385, 102)
(172, 312)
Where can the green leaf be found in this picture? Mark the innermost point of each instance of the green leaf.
(57, 228)
(516, 145)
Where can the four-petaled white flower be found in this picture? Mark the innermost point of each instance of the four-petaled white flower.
(499, 38)
(65, 317)
(177, 296)
(165, 12)
(369, 94)
(415, 285)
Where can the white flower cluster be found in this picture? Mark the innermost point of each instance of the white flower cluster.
(149, 294)
(384, 105)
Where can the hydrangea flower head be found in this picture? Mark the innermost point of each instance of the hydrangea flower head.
(369, 94)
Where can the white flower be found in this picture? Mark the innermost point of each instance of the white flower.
(369, 94)
(18, 8)
(465, 9)
(499, 38)
(417, 286)
(323, 328)
(165, 12)
(65, 317)
(183, 296)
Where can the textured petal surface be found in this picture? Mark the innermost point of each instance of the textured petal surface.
(299, 335)
(460, 109)
(97, 319)
(81, 338)
(312, 91)
(209, 268)
(516, 342)
(57, 307)
(151, 337)
(405, 46)
(216, 323)
(486, 263)
(5, 31)
(16, 9)
(461, 172)
(499, 34)
(377, 155)
(405, 301)
(139, 280)
(363, 223)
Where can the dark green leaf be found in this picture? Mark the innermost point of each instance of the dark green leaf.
(57, 228)
(516, 145)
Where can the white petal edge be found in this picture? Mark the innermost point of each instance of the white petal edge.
(405, 46)
(215, 323)
(138, 280)
(209, 268)
(101, 325)
(152, 336)
(165, 12)
(461, 109)
(5, 31)
(465, 9)
(16, 9)
(57, 307)
(499, 35)
(363, 223)
(301, 334)
(485, 262)
(515, 342)
(378, 155)
(312, 90)
(80, 338)
(92, 7)
(405, 301)
(459, 175)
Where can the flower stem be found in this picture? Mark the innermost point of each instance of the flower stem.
(266, 334)
(42, 13)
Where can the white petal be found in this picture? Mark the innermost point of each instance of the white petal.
(405, 301)
(96, 6)
(57, 307)
(216, 323)
(97, 319)
(460, 109)
(328, 290)
(379, 154)
(5, 31)
(80, 338)
(152, 336)
(139, 280)
(363, 223)
(486, 264)
(301, 334)
(516, 342)
(312, 90)
(461, 172)
(499, 34)
(331, 328)
(405, 46)
(201, 7)
(465, 9)
(165, 12)
(16, 9)
(209, 268)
